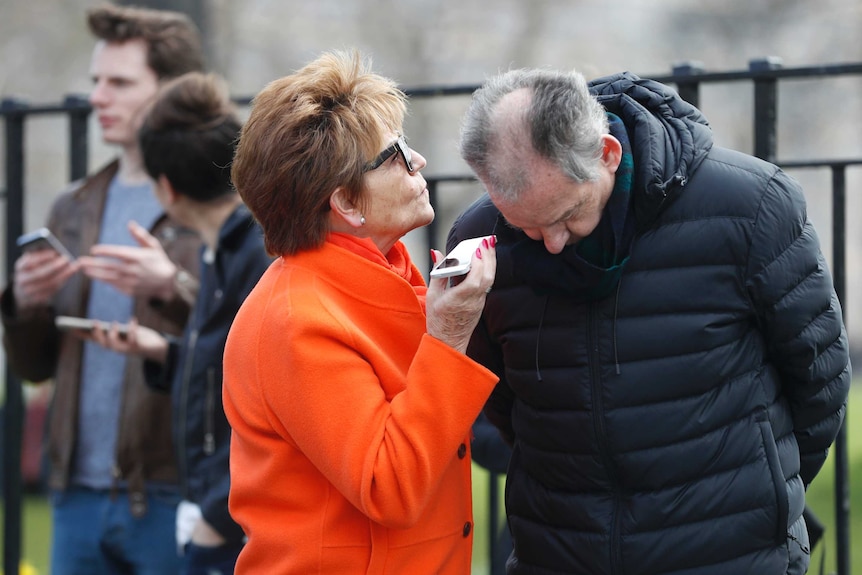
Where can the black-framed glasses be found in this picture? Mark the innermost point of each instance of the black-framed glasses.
(399, 146)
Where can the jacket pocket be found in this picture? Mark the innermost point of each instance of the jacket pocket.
(779, 484)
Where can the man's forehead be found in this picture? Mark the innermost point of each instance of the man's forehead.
(126, 58)
(525, 213)
(542, 204)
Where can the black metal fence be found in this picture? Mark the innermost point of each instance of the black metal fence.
(763, 74)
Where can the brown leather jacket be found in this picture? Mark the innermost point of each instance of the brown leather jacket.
(37, 351)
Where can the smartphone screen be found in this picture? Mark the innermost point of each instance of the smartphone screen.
(43, 239)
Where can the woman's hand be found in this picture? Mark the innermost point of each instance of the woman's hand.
(205, 535)
(135, 339)
(453, 312)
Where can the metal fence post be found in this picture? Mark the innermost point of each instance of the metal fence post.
(494, 520)
(431, 232)
(765, 107)
(842, 467)
(689, 90)
(13, 413)
(78, 108)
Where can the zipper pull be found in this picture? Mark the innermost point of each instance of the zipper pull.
(209, 444)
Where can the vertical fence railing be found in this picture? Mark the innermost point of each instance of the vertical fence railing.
(14, 113)
(79, 152)
(842, 467)
(13, 413)
(764, 74)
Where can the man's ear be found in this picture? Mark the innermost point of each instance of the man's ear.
(612, 152)
(344, 208)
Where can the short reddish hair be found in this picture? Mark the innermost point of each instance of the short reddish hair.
(308, 134)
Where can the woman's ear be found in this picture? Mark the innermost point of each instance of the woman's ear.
(343, 207)
(169, 194)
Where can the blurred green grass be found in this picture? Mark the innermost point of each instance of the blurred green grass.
(36, 533)
(821, 493)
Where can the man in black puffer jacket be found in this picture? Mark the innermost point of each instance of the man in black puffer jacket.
(672, 357)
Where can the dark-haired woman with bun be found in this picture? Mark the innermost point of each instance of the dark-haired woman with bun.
(187, 139)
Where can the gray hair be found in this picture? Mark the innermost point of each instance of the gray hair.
(562, 121)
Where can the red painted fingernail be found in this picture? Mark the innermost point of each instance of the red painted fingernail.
(493, 241)
(479, 253)
(485, 243)
(433, 257)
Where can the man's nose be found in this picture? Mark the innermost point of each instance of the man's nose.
(98, 95)
(554, 241)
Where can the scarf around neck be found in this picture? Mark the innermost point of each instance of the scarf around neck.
(397, 260)
(591, 269)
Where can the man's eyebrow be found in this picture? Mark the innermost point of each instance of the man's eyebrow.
(572, 211)
(568, 214)
(511, 225)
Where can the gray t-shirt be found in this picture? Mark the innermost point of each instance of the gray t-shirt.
(102, 370)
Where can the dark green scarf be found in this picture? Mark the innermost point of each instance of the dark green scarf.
(590, 269)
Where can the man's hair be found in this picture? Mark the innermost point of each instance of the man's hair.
(562, 123)
(173, 41)
(189, 135)
(309, 133)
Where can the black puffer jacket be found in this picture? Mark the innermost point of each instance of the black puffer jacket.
(673, 426)
(193, 371)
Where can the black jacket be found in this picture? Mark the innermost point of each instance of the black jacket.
(673, 426)
(194, 370)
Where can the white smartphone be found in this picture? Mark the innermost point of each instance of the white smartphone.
(457, 262)
(43, 239)
(65, 322)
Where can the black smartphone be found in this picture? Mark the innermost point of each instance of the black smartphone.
(43, 239)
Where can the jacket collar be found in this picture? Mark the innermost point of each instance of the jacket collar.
(365, 278)
(669, 137)
(234, 228)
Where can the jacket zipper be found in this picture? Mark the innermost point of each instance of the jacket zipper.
(601, 435)
(182, 410)
(209, 413)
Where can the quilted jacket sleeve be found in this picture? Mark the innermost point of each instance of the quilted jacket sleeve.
(801, 319)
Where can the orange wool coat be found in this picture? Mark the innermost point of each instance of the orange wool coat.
(351, 425)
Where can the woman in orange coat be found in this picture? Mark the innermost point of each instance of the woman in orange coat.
(346, 382)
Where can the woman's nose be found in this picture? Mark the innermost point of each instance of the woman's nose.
(419, 160)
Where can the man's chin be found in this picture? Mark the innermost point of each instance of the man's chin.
(112, 140)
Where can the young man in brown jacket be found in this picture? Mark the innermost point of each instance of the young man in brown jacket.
(112, 472)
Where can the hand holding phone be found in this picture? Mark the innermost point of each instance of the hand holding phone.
(454, 304)
(129, 338)
(66, 322)
(458, 261)
(43, 239)
(41, 270)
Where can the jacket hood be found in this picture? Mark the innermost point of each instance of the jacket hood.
(669, 137)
